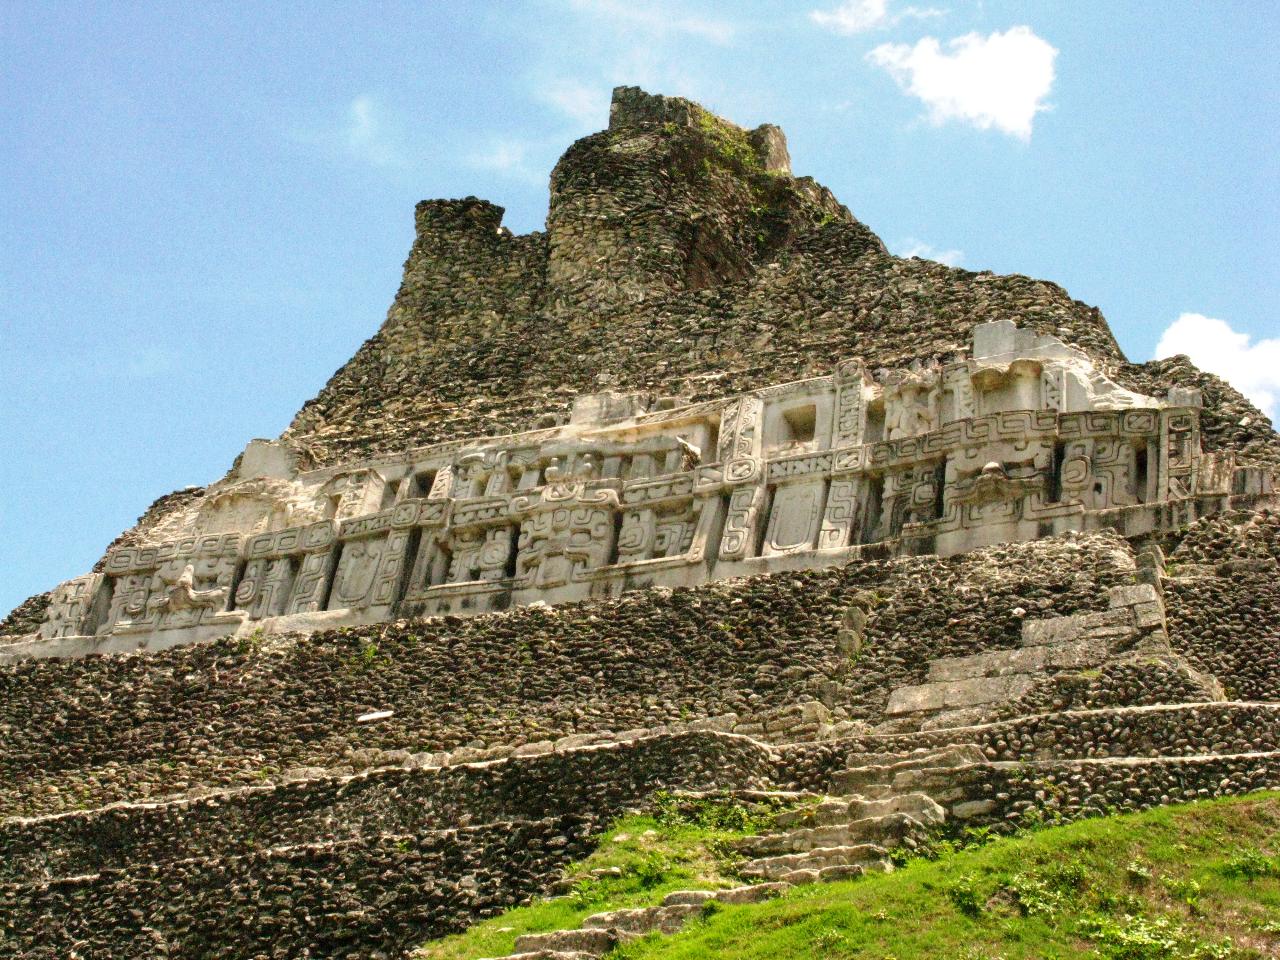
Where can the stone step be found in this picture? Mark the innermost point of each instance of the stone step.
(641, 920)
(888, 831)
(831, 874)
(695, 897)
(788, 797)
(853, 871)
(869, 779)
(951, 753)
(778, 867)
(918, 806)
(751, 893)
(830, 811)
(947, 785)
(588, 942)
(836, 810)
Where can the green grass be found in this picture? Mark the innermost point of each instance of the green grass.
(1191, 882)
(679, 846)
(1177, 883)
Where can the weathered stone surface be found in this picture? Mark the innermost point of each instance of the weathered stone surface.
(704, 368)
(1182, 730)
(639, 921)
(1227, 622)
(25, 618)
(226, 712)
(348, 899)
(797, 475)
(699, 490)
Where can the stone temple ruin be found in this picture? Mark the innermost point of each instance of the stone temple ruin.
(1020, 437)
(700, 489)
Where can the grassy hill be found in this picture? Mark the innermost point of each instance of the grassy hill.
(1184, 882)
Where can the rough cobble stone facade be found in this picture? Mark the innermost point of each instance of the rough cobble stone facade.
(1223, 601)
(1073, 789)
(374, 896)
(25, 618)
(595, 782)
(85, 731)
(1160, 731)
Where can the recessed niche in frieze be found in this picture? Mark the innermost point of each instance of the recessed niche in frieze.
(1021, 438)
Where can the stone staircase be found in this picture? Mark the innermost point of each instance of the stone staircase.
(873, 774)
(838, 838)
(885, 799)
(974, 689)
(841, 838)
(601, 932)
(945, 776)
(878, 802)
(995, 774)
(889, 798)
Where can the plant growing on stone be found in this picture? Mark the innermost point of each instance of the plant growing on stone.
(251, 643)
(585, 892)
(729, 142)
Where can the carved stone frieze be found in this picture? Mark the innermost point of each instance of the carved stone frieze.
(71, 606)
(1021, 438)
(564, 533)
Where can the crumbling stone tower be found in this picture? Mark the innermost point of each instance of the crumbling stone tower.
(699, 488)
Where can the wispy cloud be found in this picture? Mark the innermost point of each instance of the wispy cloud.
(661, 19)
(911, 247)
(655, 46)
(586, 104)
(369, 134)
(1215, 346)
(510, 158)
(999, 81)
(860, 16)
(664, 46)
(363, 130)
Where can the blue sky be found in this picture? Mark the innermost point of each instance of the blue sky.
(205, 207)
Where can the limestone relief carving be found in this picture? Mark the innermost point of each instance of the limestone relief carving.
(181, 596)
(70, 606)
(250, 506)
(1020, 437)
(912, 404)
(356, 571)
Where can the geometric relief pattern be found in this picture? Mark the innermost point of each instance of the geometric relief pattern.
(955, 447)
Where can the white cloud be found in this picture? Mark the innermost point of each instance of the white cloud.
(1212, 345)
(855, 16)
(917, 248)
(859, 16)
(996, 81)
